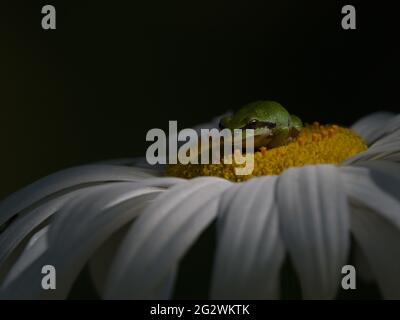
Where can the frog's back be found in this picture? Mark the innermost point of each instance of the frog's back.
(266, 110)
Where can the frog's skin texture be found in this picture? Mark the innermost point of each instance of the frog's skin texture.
(273, 125)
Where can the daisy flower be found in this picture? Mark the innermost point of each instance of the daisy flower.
(333, 192)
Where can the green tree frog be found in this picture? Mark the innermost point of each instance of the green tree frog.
(273, 125)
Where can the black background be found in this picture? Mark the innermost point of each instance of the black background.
(112, 70)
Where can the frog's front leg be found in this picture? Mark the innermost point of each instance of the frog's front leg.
(296, 122)
(280, 137)
(295, 127)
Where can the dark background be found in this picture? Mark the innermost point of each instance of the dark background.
(112, 70)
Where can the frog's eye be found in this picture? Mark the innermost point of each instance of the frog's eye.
(252, 124)
(255, 124)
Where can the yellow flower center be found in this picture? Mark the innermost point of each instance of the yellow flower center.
(316, 144)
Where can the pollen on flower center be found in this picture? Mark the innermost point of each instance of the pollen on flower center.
(316, 144)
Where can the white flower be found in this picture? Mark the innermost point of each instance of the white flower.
(134, 226)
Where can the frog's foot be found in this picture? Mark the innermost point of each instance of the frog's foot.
(293, 134)
(262, 141)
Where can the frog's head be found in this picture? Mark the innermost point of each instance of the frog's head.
(264, 117)
(269, 120)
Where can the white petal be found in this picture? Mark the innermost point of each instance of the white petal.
(379, 240)
(16, 232)
(389, 151)
(363, 187)
(114, 194)
(392, 132)
(384, 174)
(370, 127)
(388, 145)
(138, 162)
(249, 252)
(361, 263)
(315, 228)
(160, 237)
(65, 181)
(101, 260)
(384, 143)
(78, 230)
(390, 127)
(36, 246)
(374, 193)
